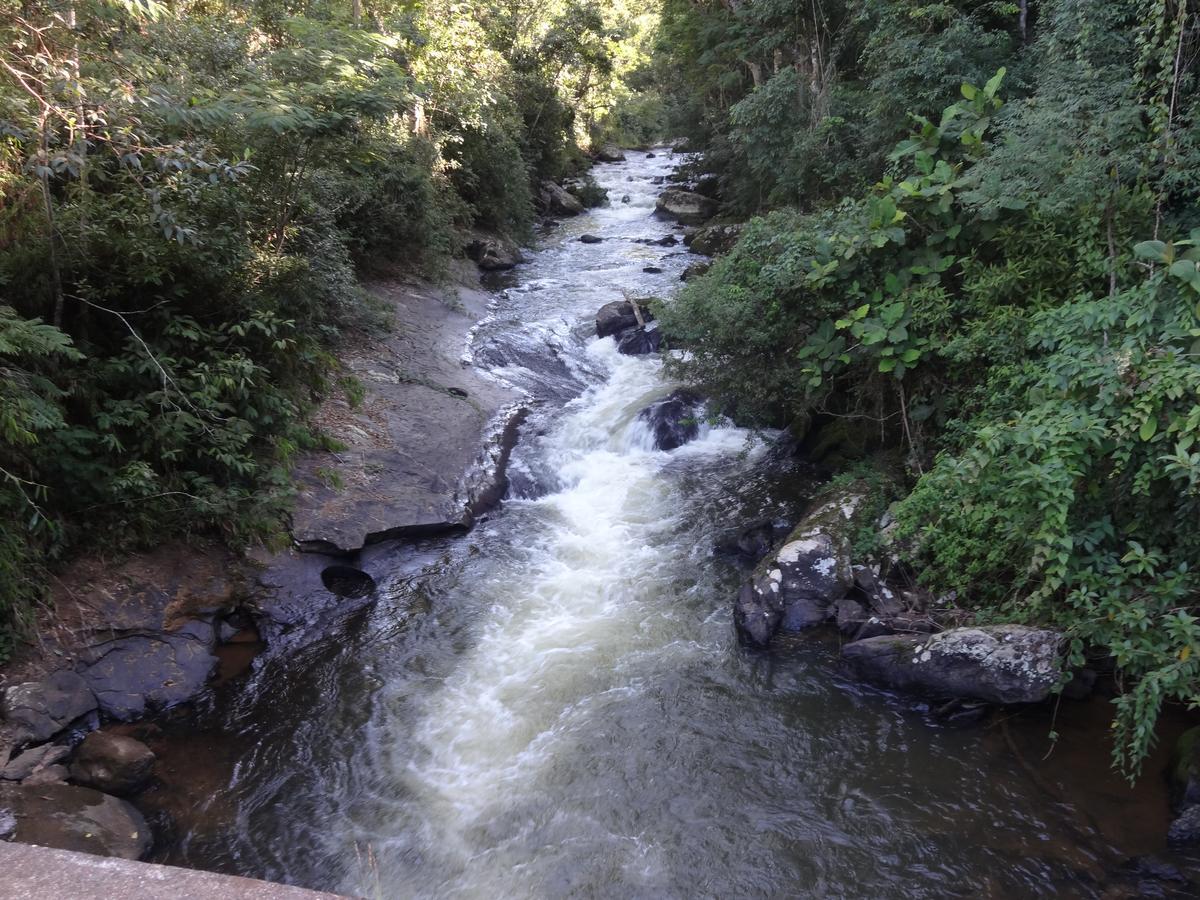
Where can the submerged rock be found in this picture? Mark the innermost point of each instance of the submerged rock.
(38, 710)
(686, 207)
(68, 817)
(674, 420)
(590, 239)
(112, 763)
(997, 663)
(619, 316)
(796, 587)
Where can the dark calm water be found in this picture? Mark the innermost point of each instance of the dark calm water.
(560, 707)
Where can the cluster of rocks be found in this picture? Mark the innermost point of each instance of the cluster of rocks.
(61, 789)
(810, 579)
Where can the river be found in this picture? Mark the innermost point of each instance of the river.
(558, 705)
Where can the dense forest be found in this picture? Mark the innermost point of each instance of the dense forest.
(191, 194)
(970, 269)
(977, 247)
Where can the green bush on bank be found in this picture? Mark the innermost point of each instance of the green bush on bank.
(1014, 306)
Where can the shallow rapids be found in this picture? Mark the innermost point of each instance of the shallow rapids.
(555, 704)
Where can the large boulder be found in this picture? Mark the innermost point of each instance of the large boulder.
(619, 316)
(686, 207)
(68, 817)
(715, 240)
(558, 201)
(493, 253)
(674, 420)
(638, 341)
(797, 586)
(998, 663)
(38, 710)
(112, 763)
(610, 154)
(752, 542)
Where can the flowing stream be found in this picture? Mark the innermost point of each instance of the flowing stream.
(558, 706)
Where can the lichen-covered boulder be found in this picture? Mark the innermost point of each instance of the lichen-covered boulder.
(797, 586)
(686, 207)
(38, 710)
(997, 663)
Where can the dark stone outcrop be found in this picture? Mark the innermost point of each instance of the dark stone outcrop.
(752, 542)
(674, 420)
(686, 207)
(40, 709)
(69, 817)
(998, 664)
(112, 763)
(638, 341)
(618, 316)
(796, 587)
(134, 674)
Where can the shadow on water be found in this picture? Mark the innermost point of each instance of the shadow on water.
(558, 706)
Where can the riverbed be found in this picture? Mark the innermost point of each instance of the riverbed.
(555, 704)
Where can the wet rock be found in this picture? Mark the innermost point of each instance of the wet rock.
(650, 156)
(619, 316)
(695, 270)
(33, 761)
(850, 615)
(638, 341)
(112, 763)
(1000, 663)
(68, 817)
(659, 179)
(38, 710)
(795, 587)
(610, 154)
(1185, 830)
(492, 253)
(55, 774)
(715, 240)
(1184, 774)
(590, 239)
(686, 207)
(652, 270)
(881, 599)
(134, 674)
(752, 542)
(558, 201)
(674, 420)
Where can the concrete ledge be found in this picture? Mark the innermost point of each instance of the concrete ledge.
(28, 872)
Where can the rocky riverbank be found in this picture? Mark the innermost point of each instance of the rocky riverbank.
(423, 440)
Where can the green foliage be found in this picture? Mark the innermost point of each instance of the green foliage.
(189, 195)
(1013, 303)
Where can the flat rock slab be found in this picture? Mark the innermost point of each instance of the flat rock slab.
(73, 818)
(38, 873)
(418, 432)
(153, 671)
(40, 709)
